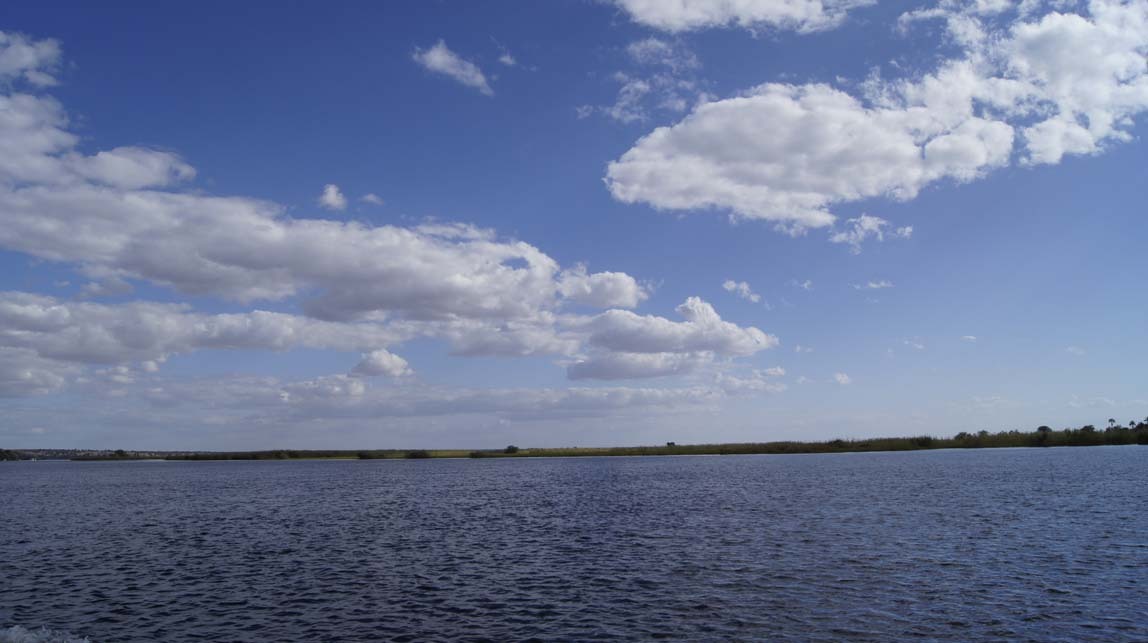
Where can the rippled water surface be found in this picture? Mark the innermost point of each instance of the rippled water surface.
(1024, 544)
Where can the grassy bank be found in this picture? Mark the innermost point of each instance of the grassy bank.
(1133, 433)
(1041, 437)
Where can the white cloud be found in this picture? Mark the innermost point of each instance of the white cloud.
(440, 59)
(687, 15)
(381, 362)
(616, 366)
(702, 330)
(755, 382)
(804, 285)
(28, 59)
(655, 51)
(507, 59)
(741, 289)
(601, 289)
(792, 170)
(662, 78)
(1076, 350)
(842, 379)
(969, 338)
(1066, 83)
(802, 349)
(91, 333)
(24, 373)
(864, 227)
(114, 226)
(371, 198)
(332, 198)
(874, 285)
(914, 343)
(626, 345)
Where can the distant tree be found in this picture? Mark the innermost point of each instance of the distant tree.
(1111, 422)
(417, 454)
(1088, 428)
(1044, 429)
(120, 453)
(510, 449)
(671, 444)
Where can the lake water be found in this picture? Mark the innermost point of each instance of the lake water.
(1005, 544)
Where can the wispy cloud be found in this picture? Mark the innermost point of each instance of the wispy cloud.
(874, 285)
(741, 289)
(440, 59)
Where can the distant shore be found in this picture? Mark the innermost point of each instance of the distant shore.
(1088, 435)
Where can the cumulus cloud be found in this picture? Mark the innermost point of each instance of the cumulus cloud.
(617, 366)
(741, 289)
(332, 198)
(108, 218)
(24, 373)
(627, 345)
(91, 333)
(1059, 83)
(441, 60)
(702, 330)
(601, 289)
(790, 171)
(371, 198)
(29, 59)
(128, 215)
(688, 15)
(842, 379)
(382, 362)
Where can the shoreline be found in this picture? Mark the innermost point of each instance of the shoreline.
(1042, 437)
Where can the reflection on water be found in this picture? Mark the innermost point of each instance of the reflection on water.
(955, 545)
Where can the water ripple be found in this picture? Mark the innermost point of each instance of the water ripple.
(973, 545)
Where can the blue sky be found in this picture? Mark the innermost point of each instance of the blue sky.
(590, 223)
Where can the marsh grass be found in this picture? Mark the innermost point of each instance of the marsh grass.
(1042, 437)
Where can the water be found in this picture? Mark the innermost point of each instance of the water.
(1006, 544)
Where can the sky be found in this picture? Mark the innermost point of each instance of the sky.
(570, 223)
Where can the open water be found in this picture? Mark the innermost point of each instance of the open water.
(970, 545)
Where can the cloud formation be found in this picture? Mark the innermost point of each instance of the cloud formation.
(627, 345)
(689, 15)
(1026, 88)
(332, 198)
(128, 215)
(441, 60)
(741, 289)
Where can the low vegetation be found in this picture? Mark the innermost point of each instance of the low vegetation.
(1113, 434)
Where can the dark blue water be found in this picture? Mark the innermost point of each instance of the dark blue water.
(1025, 544)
